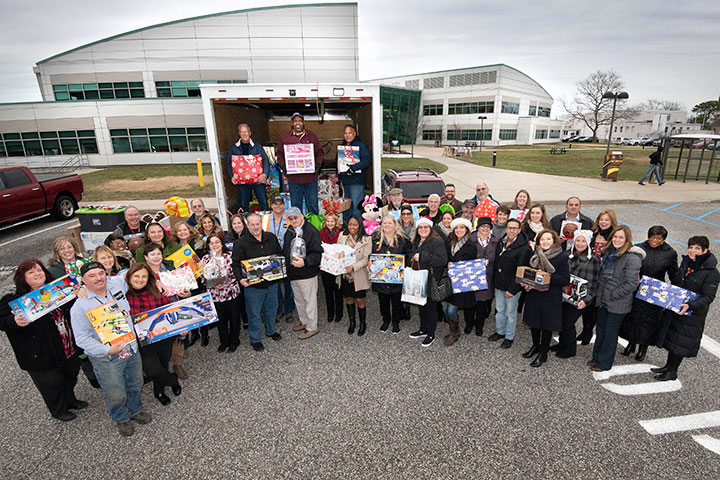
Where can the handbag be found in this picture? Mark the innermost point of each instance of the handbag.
(440, 290)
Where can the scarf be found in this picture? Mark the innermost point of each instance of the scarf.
(541, 259)
(446, 230)
(329, 236)
(608, 263)
(458, 245)
(604, 232)
(483, 243)
(536, 227)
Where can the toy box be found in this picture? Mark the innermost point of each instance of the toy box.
(92, 240)
(468, 276)
(576, 289)
(266, 269)
(531, 276)
(299, 158)
(347, 155)
(112, 324)
(175, 318)
(180, 280)
(336, 258)
(45, 299)
(386, 268)
(187, 255)
(664, 295)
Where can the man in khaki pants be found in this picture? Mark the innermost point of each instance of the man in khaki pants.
(302, 248)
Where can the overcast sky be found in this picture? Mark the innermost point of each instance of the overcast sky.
(663, 50)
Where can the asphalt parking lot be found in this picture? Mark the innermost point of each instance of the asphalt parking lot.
(380, 406)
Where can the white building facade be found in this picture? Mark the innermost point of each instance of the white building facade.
(645, 123)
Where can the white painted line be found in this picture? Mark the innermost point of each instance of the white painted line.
(35, 233)
(643, 388)
(13, 225)
(710, 345)
(661, 426)
(632, 369)
(711, 443)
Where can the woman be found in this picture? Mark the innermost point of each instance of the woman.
(187, 236)
(544, 308)
(583, 265)
(643, 324)
(44, 348)
(119, 246)
(605, 223)
(388, 239)
(407, 221)
(329, 234)
(461, 249)
(207, 225)
(485, 245)
(64, 253)
(697, 273)
(444, 227)
(428, 252)
(238, 227)
(107, 259)
(354, 283)
(522, 203)
(229, 304)
(618, 279)
(502, 214)
(143, 295)
(155, 233)
(535, 222)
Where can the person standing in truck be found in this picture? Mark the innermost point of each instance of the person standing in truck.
(353, 180)
(247, 146)
(303, 186)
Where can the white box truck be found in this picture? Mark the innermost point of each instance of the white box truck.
(267, 109)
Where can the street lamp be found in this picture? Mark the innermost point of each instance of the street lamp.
(615, 96)
(482, 119)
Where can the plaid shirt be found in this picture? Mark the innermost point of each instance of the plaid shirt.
(231, 290)
(144, 301)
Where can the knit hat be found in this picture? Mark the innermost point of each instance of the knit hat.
(588, 234)
(461, 221)
(406, 206)
(425, 221)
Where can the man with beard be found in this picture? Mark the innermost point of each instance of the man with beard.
(450, 199)
(395, 200)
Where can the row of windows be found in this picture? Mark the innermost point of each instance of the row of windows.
(137, 140)
(471, 107)
(510, 107)
(541, 134)
(433, 109)
(185, 88)
(477, 78)
(532, 111)
(31, 144)
(432, 135)
(508, 134)
(95, 91)
(478, 134)
(475, 134)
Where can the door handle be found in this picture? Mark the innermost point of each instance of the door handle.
(36, 189)
(7, 195)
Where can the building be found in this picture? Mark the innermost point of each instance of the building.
(645, 123)
(516, 108)
(133, 98)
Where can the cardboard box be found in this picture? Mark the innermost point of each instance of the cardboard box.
(531, 276)
(73, 234)
(336, 258)
(92, 240)
(386, 268)
(267, 269)
(45, 299)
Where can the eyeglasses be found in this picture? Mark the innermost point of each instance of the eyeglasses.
(512, 228)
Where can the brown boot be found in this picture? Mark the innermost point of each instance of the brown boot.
(180, 372)
(454, 334)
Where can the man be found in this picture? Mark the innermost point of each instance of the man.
(261, 297)
(301, 185)
(511, 252)
(118, 368)
(432, 211)
(277, 223)
(468, 213)
(246, 146)
(303, 270)
(502, 213)
(450, 199)
(482, 192)
(655, 163)
(353, 180)
(198, 208)
(395, 200)
(572, 214)
(132, 226)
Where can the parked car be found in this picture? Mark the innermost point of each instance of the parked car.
(24, 194)
(568, 138)
(651, 142)
(628, 141)
(641, 141)
(623, 141)
(585, 139)
(417, 185)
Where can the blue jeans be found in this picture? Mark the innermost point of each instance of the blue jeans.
(606, 330)
(261, 301)
(506, 316)
(356, 194)
(652, 168)
(450, 310)
(307, 191)
(260, 193)
(286, 302)
(121, 381)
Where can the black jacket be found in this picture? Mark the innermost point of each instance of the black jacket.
(544, 309)
(401, 247)
(556, 222)
(507, 260)
(313, 252)
(248, 247)
(467, 252)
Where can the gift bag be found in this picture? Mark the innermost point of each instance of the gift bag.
(314, 220)
(347, 155)
(215, 271)
(487, 208)
(246, 169)
(298, 248)
(336, 258)
(415, 286)
(177, 207)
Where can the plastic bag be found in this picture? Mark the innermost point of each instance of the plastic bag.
(177, 207)
(215, 271)
(298, 248)
(415, 286)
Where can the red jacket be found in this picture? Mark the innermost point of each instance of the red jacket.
(289, 138)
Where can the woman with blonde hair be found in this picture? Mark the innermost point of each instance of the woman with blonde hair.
(64, 253)
(188, 236)
(106, 257)
(389, 239)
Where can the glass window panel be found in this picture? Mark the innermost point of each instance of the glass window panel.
(179, 92)
(14, 149)
(77, 96)
(162, 84)
(122, 93)
(192, 83)
(86, 133)
(75, 87)
(33, 147)
(176, 83)
(121, 145)
(140, 144)
(2, 154)
(107, 94)
(16, 178)
(88, 145)
(117, 132)
(136, 84)
(196, 131)
(30, 135)
(69, 146)
(90, 86)
(138, 131)
(176, 131)
(48, 135)
(159, 144)
(12, 136)
(92, 94)
(164, 92)
(157, 131)
(197, 144)
(62, 96)
(120, 84)
(137, 93)
(194, 92)
(60, 88)
(51, 147)
(67, 134)
(178, 144)
(105, 85)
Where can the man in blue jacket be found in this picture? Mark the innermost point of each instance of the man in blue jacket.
(246, 146)
(353, 180)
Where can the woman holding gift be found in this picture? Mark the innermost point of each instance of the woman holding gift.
(485, 246)
(155, 233)
(543, 312)
(697, 273)
(387, 240)
(64, 253)
(329, 234)
(461, 249)
(354, 283)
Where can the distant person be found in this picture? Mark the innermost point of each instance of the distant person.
(655, 164)
(450, 199)
(353, 180)
(198, 208)
(303, 186)
(132, 226)
(247, 146)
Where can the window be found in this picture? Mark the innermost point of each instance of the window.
(532, 111)
(510, 107)
(508, 134)
(414, 84)
(471, 107)
(95, 91)
(541, 134)
(16, 178)
(432, 135)
(141, 140)
(433, 109)
(475, 134)
(543, 111)
(34, 144)
(477, 78)
(185, 88)
(554, 133)
(434, 82)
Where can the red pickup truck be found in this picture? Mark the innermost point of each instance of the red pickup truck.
(24, 194)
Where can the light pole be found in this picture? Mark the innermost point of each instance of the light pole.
(615, 96)
(482, 119)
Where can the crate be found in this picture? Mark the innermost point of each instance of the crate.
(100, 219)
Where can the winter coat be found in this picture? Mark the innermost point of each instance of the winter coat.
(356, 174)
(587, 269)
(682, 333)
(544, 309)
(313, 252)
(401, 247)
(507, 260)
(556, 221)
(362, 254)
(466, 252)
(615, 292)
(487, 252)
(433, 257)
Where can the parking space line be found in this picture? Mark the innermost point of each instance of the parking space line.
(712, 346)
(708, 213)
(35, 233)
(661, 426)
(711, 443)
(682, 215)
(666, 209)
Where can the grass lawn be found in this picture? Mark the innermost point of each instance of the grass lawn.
(408, 163)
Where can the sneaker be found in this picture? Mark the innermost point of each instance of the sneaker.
(143, 418)
(276, 336)
(418, 334)
(641, 183)
(506, 343)
(125, 428)
(661, 183)
(78, 405)
(258, 346)
(384, 326)
(299, 328)
(495, 337)
(396, 328)
(428, 341)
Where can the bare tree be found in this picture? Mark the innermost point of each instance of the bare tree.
(412, 126)
(589, 106)
(457, 130)
(664, 105)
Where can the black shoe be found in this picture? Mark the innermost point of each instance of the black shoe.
(78, 405)
(668, 375)
(506, 343)
(176, 389)
(276, 336)
(661, 183)
(330, 319)
(533, 350)
(418, 334)
(66, 417)
(428, 341)
(361, 328)
(232, 348)
(384, 326)
(163, 399)
(396, 328)
(561, 354)
(495, 337)
(468, 329)
(94, 383)
(479, 332)
(194, 337)
(641, 183)
(555, 348)
(642, 350)
(258, 346)
(628, 350)
(338, 319)
(222, 348)
(579, 337)
(539, 360)
(586, 341)
(205, 341)
(245, 326)
(659, 369)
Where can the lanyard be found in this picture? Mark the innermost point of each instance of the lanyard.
(279, 225)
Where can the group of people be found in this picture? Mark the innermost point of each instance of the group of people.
(601, 252)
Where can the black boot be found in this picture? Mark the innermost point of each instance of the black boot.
(667, 375)
(194, 337)
(351, 316)
(361, 327)
(628, 350)
(480, 316)
(662, 369)
(539, 360)
(533, 350)
(642, 350)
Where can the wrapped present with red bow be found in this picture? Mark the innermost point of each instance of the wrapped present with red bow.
(246, 169)
(486, 208)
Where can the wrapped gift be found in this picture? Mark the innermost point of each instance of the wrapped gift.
(180, 280)
(267, 269)
(665, 295)
(519, 214)
(468, 276)
(215, 271)
(347, 155)
(111, 323)
(186, 256)
(175, 318)
(73, 268)
(299, 158)
(336, 258)
(246, 169)
(386, 268)
(45, 299)
(487, 208)
(575, 291)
